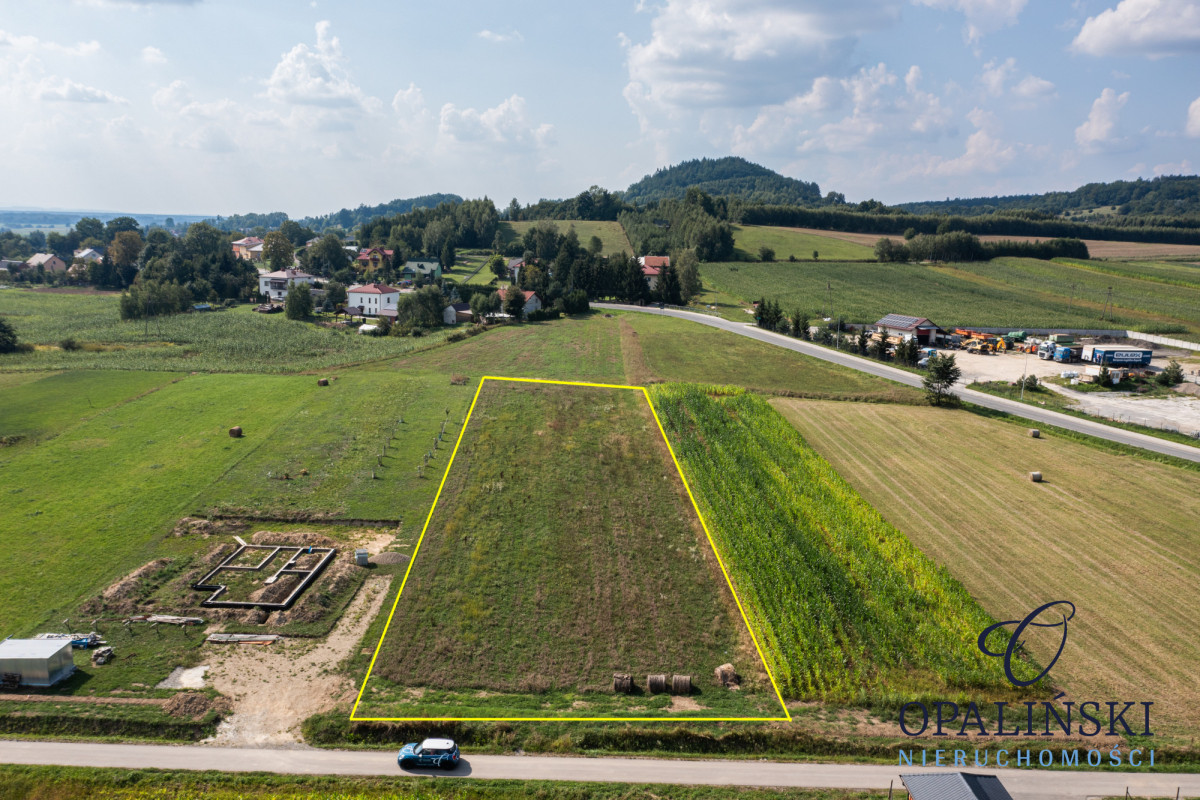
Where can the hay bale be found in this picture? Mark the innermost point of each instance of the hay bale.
(236, 432)
(1036, 477)
(322, 381)
(727, 677)
(681, 684)
(622, 683)
(1035, 433)
(656, 684)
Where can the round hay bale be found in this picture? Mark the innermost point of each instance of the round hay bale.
(1036, 477)
(656, 684)
(1035, 433)
(322, 381)
(622, 683)
(681, 684)
(236, 432)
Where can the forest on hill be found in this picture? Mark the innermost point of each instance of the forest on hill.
(724, 177)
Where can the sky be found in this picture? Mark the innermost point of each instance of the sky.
(216, 107)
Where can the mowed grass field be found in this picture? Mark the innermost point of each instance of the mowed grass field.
(610, 232)
(231, 340)
(747, 239)
(1005, 292)
(563, 549)
(1116, 536)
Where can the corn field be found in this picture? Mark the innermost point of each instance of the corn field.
(843, 605)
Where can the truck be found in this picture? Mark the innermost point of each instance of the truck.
(1045, 351)
(1067, 354)
(1117, 355)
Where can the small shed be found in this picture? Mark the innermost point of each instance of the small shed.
(954, 786)
(904, 327)
(39, 662)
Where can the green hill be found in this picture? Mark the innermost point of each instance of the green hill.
(723, 176)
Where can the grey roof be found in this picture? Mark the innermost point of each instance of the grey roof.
(954, 786)
(904, 323)
(32, 648)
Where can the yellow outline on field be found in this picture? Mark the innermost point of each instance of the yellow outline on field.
(787, 717)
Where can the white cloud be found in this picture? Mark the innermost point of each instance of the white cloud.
(985, 152)
(999, 78)
(506, 126)
(152, 55)
(1153, 28)
(1193, 118)
(65, 90)
(1096, 132)
(316, 77)
(32, 44)
(743, 53)
(1031, 87)
(1183, 167)
(983, 16)
(501, 38)
(996, 75)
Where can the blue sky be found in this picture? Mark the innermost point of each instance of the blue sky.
(210, 106)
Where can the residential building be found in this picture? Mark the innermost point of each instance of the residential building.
(429, 270)
(275, 284)
(244, 248)
(12, 265)
(532, 301)
(49, 261)
(90, 255)
(373, 259)
(372, 300)
(455, 313)
(652, 267)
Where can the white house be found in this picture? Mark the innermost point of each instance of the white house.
(372, 299)
(89, 255)
(275, 284)
(532, 301)
(455, 313)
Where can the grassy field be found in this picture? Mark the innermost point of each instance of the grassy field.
(849, 610)
(747, 239)
(610, 232)
(1005, 292)
(541, 574)
(78, 783)
(1114, 535)
(233, 340)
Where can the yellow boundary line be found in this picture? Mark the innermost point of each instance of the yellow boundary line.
(787, 717)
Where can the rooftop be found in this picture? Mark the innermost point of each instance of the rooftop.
(901, 322)
(32, 648)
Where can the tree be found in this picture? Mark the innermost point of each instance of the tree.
(575, 302)
(1172, 374)
(328, 256)
(498, 266)
(90, 228)
(278, 251)
(514, 302)
(816, 256)
(863, 340)
(766, 254)
(335, 293)
(1031, 383)
(943, 374)
(8, 337)
(595, 245)
(299, 303)
(447, 253)
(688, 265)
(878, 348)
(118, 225)
(800, 324)
(484, 304)
(1104, 378)
(668, 287)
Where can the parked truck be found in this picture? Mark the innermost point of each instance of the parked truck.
(1116, 355)
(1067, 354)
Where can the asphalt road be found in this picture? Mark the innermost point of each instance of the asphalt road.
(1032, 413)
(1022, 784)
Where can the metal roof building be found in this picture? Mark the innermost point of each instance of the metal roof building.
(954, 786)
(39, 662)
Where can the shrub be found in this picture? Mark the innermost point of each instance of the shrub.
(766, 254)
(1172, 375)
(8, 337)
(69, 344)
(1031, 383)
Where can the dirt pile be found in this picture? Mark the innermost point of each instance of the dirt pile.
(192, 705)
(293, 538)
(198, 526)
(132, 584)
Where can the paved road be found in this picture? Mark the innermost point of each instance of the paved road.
(1022, 784)
(1039, 415)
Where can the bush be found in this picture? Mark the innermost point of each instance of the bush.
(542, 314)
(69, 344)
(766, 254)
(1172, 375)
(8, 337)
(1031, 383)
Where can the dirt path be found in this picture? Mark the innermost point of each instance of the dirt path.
(275, 687)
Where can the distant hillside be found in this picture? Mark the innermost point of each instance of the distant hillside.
(731, 176)
(1167, 196)
(347, 219)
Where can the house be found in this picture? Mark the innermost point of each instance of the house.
(90, 255)
(902, 327)
(426, 269)
(372, 300)
(39, 662)
(275, 284)
(954, 786)
(532, 301)
(455, 313)
(373, 258)
(11, 265)
(244, 248)
(652, 267)
(515, 265)
(49, 261)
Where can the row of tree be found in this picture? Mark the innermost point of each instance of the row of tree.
(959, 246)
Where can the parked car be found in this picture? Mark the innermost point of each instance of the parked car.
(429, 753)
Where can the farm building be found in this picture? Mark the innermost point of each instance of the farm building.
(954, 786)
(39, 662)
(900, 326)
(455, 313)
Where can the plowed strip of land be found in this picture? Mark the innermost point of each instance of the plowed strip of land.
(1114, 535)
